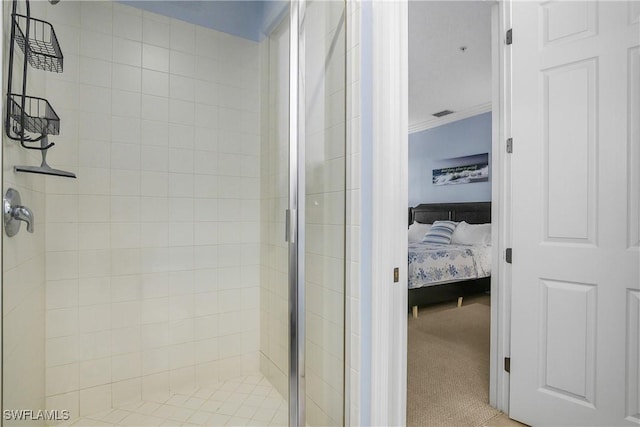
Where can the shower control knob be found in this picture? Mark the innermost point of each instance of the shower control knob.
(14, 213)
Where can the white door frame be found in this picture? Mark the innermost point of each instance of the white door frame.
(389, 213)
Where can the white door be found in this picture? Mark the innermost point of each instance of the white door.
(576, 294)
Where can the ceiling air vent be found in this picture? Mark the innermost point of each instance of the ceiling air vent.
(442, 113)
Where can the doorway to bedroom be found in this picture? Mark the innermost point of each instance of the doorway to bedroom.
(451, 131)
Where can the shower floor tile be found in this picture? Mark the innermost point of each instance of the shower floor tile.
(245, 401)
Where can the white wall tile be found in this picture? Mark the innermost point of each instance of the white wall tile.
(95, 345)
(95, 372)
(126, 392)
(155, 360)
(155, 310)
(62, 379)
(69, 401)
(62, 293)
(127, 22)
(155, 83)
(95, 399)
(125, 235)
(154, 234)
(181, 87)
(94, 99)
(125, 103)
(95, 126)
(94, 318)
(125, 156)
(154, 158)
(125, 340)
(154, 209)
(96, 45)
(181, 185)
(95, 290)
(154, 133)
(96, 16)
(182, 64)
(95, 154)
(182, 137)
(155, 58)
(181, 160)
(128, 52)
(125, 182)
(181, 210)
(155, 387)
(62, 265)
(125, 77)
(94, 263)
(125, 288)
(62, 350)
(154, 108)
(181, 112)
(125, 208)
(208, 116)
(155, 32)
(183, 36)
(126, 366)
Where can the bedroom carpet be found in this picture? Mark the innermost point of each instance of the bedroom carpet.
(448, 365)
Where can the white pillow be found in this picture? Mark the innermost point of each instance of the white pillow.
(417, 231)
(472, 234)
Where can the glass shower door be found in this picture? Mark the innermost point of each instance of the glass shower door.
(324, 112)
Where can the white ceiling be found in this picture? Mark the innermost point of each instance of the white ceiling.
(441, 76)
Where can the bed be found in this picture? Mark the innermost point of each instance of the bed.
(439, 272)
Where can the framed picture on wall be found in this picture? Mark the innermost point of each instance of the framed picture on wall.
(462, 170)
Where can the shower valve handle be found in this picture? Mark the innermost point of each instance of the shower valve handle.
(14, 213)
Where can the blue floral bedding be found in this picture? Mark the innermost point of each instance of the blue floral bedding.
(431, 264)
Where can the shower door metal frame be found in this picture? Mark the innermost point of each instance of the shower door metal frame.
(295, 221)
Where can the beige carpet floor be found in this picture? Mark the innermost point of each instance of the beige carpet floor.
(448, 366)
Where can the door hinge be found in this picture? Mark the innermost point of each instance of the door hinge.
(507, 364)
(396, 275)
(509, 145)
(508, 255)
(509, 38)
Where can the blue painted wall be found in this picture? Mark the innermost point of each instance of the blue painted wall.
(242, 18)
(462, 138)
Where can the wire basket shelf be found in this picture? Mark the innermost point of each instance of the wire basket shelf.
(39, 117)
(42, 49)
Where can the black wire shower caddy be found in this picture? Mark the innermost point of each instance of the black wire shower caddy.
(28, 118)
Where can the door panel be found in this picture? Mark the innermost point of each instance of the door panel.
(575, 282)
(633, 354)
(634, 147)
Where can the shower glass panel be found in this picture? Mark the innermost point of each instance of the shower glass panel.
(154, 289)
(324, 110)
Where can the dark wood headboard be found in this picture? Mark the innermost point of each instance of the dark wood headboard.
(473, 213)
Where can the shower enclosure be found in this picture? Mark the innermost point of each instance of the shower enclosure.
(194, 272)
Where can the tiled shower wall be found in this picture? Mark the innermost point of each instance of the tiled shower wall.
(23, 256)
(152, 254)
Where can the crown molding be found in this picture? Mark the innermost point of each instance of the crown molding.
(458, 115)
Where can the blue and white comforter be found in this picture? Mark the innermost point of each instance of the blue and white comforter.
(431, 264)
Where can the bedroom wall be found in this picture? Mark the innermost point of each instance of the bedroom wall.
(461, 138)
